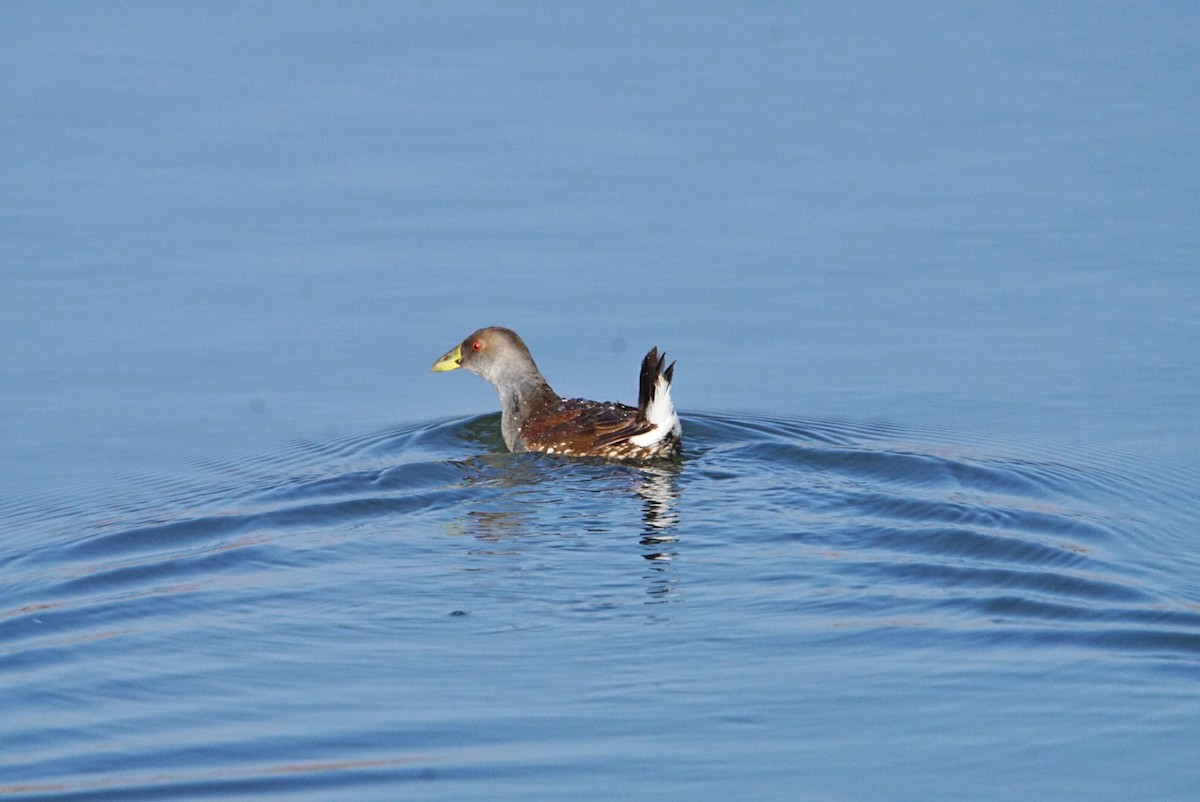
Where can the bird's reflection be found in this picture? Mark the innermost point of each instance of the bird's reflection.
(659, 490)
(511, 497)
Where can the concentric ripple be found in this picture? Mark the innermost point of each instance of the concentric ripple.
(287, 583)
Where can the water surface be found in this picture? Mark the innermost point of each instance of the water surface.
(355, 615)
(928, 272)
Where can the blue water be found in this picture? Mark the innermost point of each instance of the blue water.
(792, 601)
(928, 273)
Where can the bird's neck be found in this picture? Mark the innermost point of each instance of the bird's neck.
(518, 401)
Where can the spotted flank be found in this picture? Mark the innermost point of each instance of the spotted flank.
(535, 418)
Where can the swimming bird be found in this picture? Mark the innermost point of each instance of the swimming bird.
(535, 418)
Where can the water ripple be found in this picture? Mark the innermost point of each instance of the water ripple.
(337, 550)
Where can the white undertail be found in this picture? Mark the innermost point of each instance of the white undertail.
(660, 412)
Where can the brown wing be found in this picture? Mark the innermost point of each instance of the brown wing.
(576, 426)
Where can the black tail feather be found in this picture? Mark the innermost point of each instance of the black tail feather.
(652, 368)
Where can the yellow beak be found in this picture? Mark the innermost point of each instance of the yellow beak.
(451, 360)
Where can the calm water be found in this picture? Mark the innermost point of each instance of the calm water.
(929, 273)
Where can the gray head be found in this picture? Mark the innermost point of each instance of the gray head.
(493, 353)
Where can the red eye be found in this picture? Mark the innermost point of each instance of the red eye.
(477, 346)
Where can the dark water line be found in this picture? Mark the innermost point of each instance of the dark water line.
(291, 780)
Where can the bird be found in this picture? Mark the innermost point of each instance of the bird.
(535, 418)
